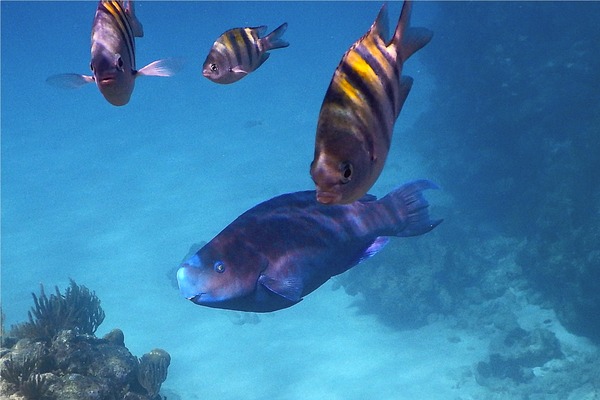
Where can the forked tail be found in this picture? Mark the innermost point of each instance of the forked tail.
(409, 208)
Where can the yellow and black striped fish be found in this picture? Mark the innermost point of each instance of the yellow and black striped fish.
(113, 54)
(240, 51)
(361, 105)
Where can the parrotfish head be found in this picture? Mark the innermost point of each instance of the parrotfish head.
(217, 68)
(340, 180)
(211, 279)
(113, 74)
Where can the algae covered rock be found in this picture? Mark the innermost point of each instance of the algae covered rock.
(48, 362)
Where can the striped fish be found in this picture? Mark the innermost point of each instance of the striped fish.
(361, 105)
(240, 51)
(114, 31)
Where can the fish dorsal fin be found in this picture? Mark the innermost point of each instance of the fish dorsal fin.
(290, 288)
(381, 27)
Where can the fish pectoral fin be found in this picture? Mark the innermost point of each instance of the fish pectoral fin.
(239, 70)
(163, 67)
(290, 288)
(69, 81)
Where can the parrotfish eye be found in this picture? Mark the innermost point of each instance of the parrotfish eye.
(219, 267)
(346, 170)
(214, 67)
(120, 62)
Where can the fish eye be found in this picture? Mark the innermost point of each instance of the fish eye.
(120, 62)
(346, 170)
(214, 67)
(219, 267)
(92, 67)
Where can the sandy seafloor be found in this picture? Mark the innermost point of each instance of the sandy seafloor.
(114, 198)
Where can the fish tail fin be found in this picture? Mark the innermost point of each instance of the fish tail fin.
(410, 207)
(136, 25)
(407, 40)
(273, 40)
(381, 27)
(163, 67)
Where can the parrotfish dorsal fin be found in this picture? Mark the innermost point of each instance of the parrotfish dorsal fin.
(290, 288)
(380, 26)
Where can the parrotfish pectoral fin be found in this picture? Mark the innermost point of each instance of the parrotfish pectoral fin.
(163, 67)
(374, 248)
(290, 288)
(69, 81)
(273, 40)
(411, 208)
(136, 25)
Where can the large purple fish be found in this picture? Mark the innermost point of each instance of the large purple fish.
(114, 31)
(276, 253)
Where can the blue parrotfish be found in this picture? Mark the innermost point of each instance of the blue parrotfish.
(281, 250)
(240, 51)
(360, 108)
(114, 30)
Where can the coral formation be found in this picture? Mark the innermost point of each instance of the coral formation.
(77, 309)
(152, 370)
(57, 356)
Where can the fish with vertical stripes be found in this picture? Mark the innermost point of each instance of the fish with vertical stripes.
(360, 108)
(281, 250)
(240, 51)
(114, 30)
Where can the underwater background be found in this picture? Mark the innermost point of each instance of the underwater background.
(500, 301)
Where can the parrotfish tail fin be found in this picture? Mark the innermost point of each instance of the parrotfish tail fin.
(163, 67)
(381, 26)
(136, 25)
(410, 207)
(407, 40)
(69, 81)
(273, 40)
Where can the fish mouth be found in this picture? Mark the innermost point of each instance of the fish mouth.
(327, 197)
(206, 73)
(106, 80)
(196, 298)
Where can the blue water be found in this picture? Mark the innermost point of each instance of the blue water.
(113, 197)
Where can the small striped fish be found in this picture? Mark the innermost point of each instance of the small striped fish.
(240, 51)
(113, 54)
(361, 105)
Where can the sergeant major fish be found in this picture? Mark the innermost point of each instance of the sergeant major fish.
(276, 253)
(360, 107)
(114, 30)
(240, 51)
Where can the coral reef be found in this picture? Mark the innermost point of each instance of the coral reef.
(515, 353)
(76, 309)
(57, 356)
(517, 144)
(152, 371)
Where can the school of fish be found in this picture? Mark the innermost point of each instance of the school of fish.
(281, 250)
